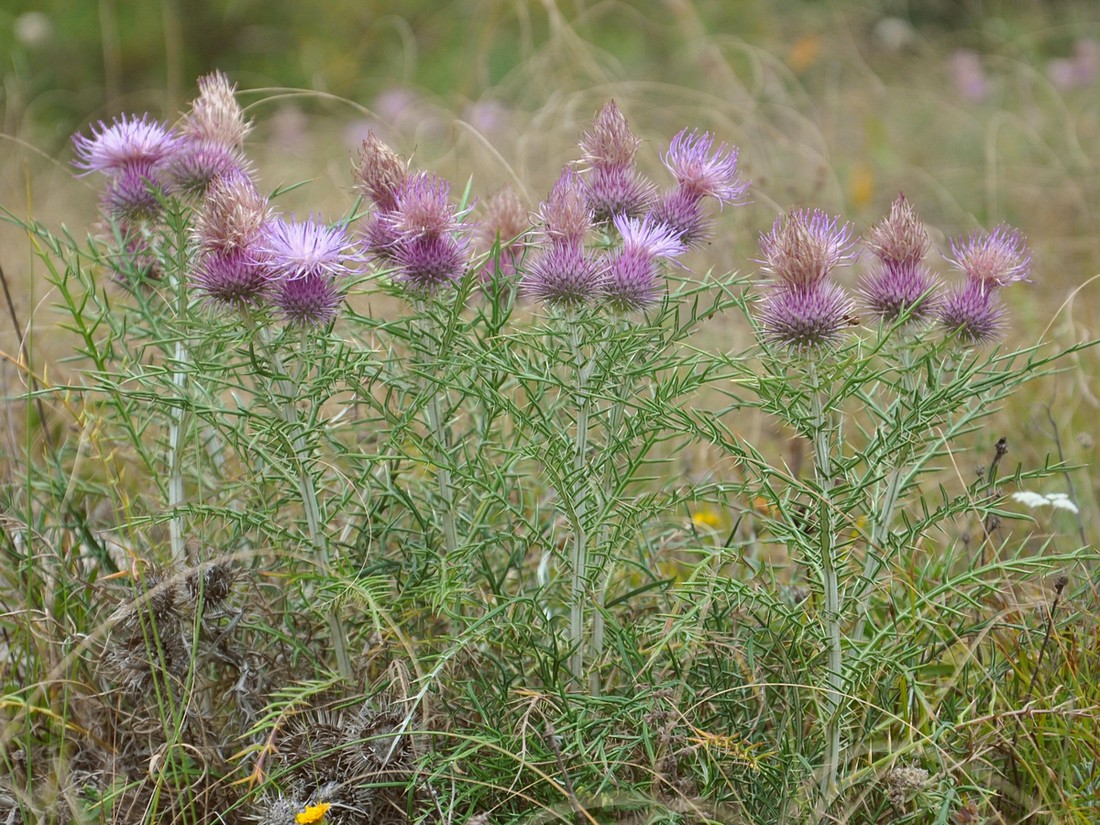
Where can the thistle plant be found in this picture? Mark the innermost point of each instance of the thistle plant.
(513, 546)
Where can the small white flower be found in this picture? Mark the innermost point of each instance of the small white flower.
(1029, 499)
(1059, 501)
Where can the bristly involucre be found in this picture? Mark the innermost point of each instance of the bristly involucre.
(900, 237)
(973, 312)
(565, 214)
(311, 300)
(565, 275)
(804, 316)
(612, 185)
(232, 276)
(232, 215)
(133, 195)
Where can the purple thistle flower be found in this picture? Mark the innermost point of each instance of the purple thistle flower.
(972, 312)
(805, 246)
(293, 250)
(232, 277)
(127, 142)
(682, 212)
(703, 169)
(427, 262)
(506, 223)
(617, 190)
(633, 279)
(565, 214)
(805, 316)
(309, 301)
(896, 288)
(564, 275)
(996, 258)
(198, 162)
(900, 281)
(133, 195)
(424, 207)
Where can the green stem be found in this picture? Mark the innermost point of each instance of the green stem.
(579, 555)
(307, 491)
(834, 679)
(175, 459)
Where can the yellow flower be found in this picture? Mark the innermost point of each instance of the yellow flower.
(312, 814)
(707, 517)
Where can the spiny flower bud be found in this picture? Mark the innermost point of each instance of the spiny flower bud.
(232, 214)
(506, 223)
(610, 142)
(232, 276)
(899, 238)
(311, 300)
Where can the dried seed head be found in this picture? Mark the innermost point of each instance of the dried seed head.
(379, 172)
(610, 142)
(232, 215)
(900, 237)
(215, 114)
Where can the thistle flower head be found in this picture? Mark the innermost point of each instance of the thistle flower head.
(973, 312)
(506, 222)
(610, 141)
(899, 238)
(379, 172)
(682, 212)
(308, 301)
(233, 277)
(632, 280)
(564, 275)
(704, 169)
(293, 250)
(232, 214)
(617, 190)
(199, 161)
(895, 288)
(215, 115)
(423, 207)
(565, 214)
(133, 195)
(128, 142)
(805, 246)
(427, 262)
(996, 258)
(804, 316)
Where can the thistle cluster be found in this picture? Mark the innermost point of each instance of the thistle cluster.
(243, 255)
(802, 308)
(414, 228)
(638, 227)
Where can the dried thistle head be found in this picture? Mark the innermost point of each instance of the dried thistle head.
(212, 584)
(215, 114)
(902, 783)
(379, 172)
